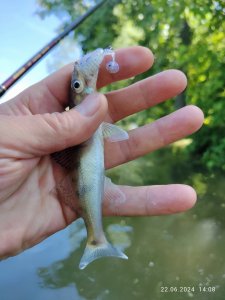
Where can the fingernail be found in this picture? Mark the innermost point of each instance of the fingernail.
(89, 106)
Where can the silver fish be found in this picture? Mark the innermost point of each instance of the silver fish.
(88, 173)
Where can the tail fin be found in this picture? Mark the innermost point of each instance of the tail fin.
(93, 252)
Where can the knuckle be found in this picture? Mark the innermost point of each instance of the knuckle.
(59, 126)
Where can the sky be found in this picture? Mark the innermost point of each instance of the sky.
(22, 34)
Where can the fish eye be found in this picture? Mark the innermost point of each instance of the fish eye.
(78, 86)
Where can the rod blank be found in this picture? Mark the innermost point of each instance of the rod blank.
(40, 54)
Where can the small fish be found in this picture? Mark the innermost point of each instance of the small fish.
(87, 159)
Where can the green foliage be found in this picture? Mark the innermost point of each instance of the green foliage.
(188, 35)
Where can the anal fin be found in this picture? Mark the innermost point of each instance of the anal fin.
(113, 196)
(113, 133)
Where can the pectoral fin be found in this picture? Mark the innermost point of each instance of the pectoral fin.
(114, 133)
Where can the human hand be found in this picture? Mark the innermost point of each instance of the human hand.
(32, 127)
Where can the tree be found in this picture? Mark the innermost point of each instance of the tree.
(189, 35)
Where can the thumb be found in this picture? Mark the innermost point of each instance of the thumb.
(39, 135)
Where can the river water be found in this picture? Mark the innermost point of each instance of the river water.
(170, 257)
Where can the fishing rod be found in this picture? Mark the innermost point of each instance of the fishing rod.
(40, 54)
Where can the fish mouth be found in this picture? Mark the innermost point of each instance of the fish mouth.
(89, 66)
(91, 61)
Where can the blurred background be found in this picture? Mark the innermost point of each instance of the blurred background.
(184, 250)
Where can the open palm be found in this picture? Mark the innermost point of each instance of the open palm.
(32, 127)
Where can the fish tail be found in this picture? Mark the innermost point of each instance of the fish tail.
(102, 249)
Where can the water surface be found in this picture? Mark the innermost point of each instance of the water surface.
(170, 257)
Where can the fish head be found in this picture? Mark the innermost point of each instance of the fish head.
(85, 74)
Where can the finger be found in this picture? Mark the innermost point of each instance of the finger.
(52, 93)
(43, 134)
(151, 200)
(153, 136)
(48, 95)
(145, 94)
(132, 61)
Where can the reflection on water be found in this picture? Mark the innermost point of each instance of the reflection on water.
(165, 253)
